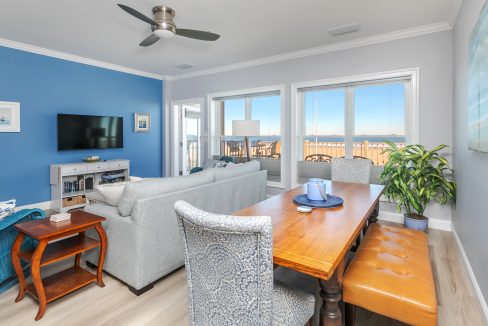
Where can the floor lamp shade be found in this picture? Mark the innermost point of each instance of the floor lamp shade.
(245, 128)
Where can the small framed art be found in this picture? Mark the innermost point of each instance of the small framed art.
(9, 117)
(142, 122)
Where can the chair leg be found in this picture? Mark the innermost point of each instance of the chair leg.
(350, 317)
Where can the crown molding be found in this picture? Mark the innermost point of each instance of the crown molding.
(370, 40)
(75, 58)
(454, 12)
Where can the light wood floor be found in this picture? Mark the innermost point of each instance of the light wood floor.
(167, 303)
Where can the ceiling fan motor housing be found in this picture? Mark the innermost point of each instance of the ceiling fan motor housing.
(163, 17)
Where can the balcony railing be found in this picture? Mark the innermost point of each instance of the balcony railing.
(272, 149)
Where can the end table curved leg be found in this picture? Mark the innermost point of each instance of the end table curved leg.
(17, 266)
(36, 277)
(103, 252)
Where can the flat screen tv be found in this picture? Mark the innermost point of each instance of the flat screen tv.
(89, 132)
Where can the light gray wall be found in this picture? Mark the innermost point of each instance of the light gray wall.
(471, 214)
(432, 53)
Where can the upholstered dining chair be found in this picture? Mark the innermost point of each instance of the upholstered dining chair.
(354, 170)
(350, 170)
(228, 261)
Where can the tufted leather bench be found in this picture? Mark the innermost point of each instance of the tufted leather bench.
(391, 275)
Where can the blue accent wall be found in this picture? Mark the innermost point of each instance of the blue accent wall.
(46, 86)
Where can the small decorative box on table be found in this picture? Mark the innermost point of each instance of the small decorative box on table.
(57, 285)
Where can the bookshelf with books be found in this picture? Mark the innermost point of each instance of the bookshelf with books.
(71, 182)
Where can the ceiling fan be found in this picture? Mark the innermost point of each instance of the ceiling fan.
(163, 26)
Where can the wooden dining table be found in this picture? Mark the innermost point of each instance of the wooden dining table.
(317, 243)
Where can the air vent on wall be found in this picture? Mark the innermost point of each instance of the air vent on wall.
(184, 66)
(344, 29)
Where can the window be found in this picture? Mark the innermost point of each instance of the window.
(351, 121)
(379, 114)
(352, 118)
(323, 124)
(265, 107)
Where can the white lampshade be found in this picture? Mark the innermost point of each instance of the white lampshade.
(245, 127)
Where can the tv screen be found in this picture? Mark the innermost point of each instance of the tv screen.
(89, 132)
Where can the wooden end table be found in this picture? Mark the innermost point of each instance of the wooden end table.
(57, 285)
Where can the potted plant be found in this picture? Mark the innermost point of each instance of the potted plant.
(413, 177)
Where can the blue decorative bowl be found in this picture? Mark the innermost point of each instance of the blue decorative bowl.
(332, 201)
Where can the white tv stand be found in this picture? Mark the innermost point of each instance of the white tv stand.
(63, 198)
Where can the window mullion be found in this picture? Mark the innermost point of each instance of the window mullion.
(349, 122)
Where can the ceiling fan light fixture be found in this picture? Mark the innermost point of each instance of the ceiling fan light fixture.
(163, 26)
(164, 33)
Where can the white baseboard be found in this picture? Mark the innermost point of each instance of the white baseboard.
(477, 289)
(398, 218)
(45, 205)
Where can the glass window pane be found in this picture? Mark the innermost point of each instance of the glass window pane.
(231, 109)
(192, 139)
(234, 109)
(323, 128)
(379, 114)
(267, 147)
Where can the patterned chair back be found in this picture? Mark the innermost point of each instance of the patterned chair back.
(228, 261)
(350, 170)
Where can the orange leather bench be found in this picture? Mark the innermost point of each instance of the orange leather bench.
(391, 275)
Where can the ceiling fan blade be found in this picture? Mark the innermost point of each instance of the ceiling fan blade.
(137, 14)
(151, 39)
(199, 35)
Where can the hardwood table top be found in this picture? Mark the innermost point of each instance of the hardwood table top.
(315, 243)
(44, 228)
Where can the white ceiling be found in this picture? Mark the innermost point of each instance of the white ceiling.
(249, 29)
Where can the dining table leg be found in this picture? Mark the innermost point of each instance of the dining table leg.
(374, 216)
(331, 294)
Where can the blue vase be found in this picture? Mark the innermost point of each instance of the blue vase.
(416, 224)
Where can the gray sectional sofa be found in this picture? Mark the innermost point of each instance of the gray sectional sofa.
(143, 238)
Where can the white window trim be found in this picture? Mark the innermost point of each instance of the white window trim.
(267, 89)
(412, 115)
(174, 123)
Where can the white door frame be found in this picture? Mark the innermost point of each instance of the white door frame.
(175, 131)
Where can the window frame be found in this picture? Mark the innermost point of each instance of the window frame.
(213, 141)
(411, 107)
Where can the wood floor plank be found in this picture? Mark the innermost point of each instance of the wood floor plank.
(167, 302)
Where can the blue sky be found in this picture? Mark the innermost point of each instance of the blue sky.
(379, 110)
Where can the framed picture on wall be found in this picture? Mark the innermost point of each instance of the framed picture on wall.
(9, 117)
(142, 122)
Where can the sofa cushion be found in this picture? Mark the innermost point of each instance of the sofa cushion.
(95, 196)
(153, 187)
(111, 192)
(237, 171)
